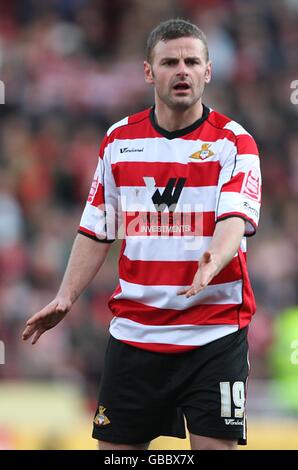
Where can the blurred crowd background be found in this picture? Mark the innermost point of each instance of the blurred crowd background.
(73, 67)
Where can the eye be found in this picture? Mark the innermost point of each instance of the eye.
(170, 62)
(192, 61)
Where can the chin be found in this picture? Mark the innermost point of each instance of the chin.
(182, 104)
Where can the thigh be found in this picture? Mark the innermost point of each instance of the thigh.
(214, 402)
(103, 445)
(211, 443)
(133, 406)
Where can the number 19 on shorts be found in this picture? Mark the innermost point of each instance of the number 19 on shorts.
(232, 394)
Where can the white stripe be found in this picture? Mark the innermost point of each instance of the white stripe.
(98, 174)
(196, 199)
(123, 122)
(246, 384)
(236, 128)
(160, 149)
(244, 427)
(181, 335)
(230, 202)
(93, 219)
(174, 248)
(245, 160)
(166, 296)
(243, 245)
(234, 201)
(248, 362)
(244, 163)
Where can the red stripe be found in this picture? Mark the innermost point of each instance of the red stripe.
(196, 174)
(160, 273)
(98, 198)
(218, 314)
(89, 232)
(209, 133)
(217, 119)
(234, 185)
(139, 117)
(143, 129)
(248, 306)
(104, 143)
(139, 130)
(139, 127)
(117, 291)
(160, 348)
(246, 144)
(200, 223)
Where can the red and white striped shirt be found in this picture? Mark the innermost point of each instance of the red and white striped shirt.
(163, 193)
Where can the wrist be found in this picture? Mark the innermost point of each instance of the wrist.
(66, 297)
(215, 258)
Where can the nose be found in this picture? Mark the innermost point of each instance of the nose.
(182, 70)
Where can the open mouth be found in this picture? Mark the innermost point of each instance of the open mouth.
(181, 86)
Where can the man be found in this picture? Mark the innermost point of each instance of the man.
(186, 180)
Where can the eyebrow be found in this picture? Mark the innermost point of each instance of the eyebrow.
(177, 58)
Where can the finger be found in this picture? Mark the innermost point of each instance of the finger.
(206, 277)
(37, 335)
(28, 331)
(195, 290)
(190, 293)
(38, 316)
(183, 291)
(50, 308)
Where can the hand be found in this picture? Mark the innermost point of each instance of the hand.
(46, 319)
(208, 268)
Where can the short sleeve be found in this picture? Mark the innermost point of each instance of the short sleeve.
(240, 183)
(99, 218)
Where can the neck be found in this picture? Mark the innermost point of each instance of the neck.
(176, 119)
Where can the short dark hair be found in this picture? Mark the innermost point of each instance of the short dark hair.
(174, 29)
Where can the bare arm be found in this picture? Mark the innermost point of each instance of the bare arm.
(225, 243)
(86, 258)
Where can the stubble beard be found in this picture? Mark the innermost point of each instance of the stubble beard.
(179, 103)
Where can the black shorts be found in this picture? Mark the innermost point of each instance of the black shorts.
(145, 394)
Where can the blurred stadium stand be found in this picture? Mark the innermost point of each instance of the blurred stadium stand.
(70, 70)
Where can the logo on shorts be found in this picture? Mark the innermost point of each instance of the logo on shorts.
(203, 153)
(233, 422)
(101, 419)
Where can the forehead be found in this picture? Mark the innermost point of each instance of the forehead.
(181, 47)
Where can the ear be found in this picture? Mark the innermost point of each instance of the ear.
(148, 73)
(208, 72)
